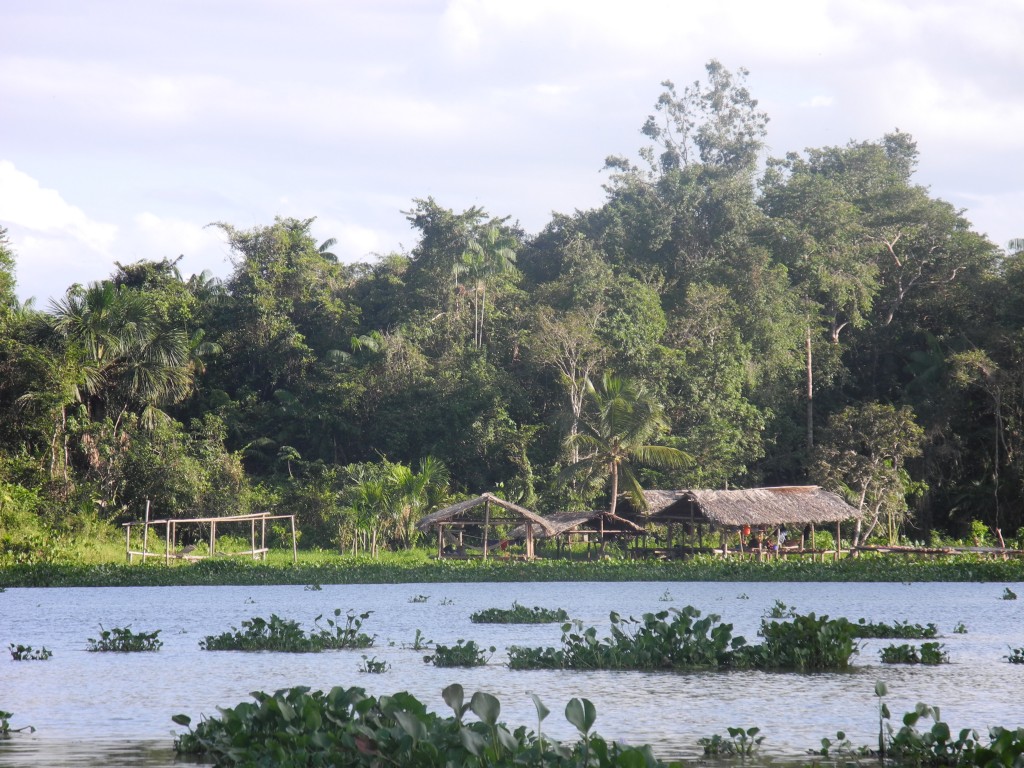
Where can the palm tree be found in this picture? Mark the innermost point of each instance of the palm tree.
(492, 253)
(625, 418)
(126, 357)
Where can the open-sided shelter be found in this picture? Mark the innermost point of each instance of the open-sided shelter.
(754, 508)
(483, 514)
(568, 524)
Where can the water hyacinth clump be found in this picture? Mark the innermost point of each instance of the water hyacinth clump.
(897, 630)
(123, 640)
(286, 635)
(463, 654)
(299, 727)
(519, 614)
(28, 653)
(1016, 656)
(680, 639)
(928, 653)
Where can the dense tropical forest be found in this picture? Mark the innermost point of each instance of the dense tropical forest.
(721, 320)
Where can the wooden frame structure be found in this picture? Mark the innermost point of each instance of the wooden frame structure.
(755, 509)
(466, 514)
(584, 525)
(171, 532)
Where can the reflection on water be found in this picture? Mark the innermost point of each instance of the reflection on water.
(127, 700)
(31, 752)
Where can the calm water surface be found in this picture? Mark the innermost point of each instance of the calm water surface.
(93, 709)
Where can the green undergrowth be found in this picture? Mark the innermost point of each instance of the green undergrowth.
(519, 614)
(277, 634)
(683, 640)
(321, 568)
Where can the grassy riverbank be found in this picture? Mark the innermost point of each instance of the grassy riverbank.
(324, 568)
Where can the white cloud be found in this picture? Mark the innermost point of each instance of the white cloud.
(817, 102)
(25, 203)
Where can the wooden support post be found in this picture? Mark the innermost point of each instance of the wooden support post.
(252, 537)
(529, 540)
(167, 543)
(440, 540)
(813, 555)
(295, 548)
(487, 523)
(213, 537)
(128, 542)
(145, 533)
(839, 540)
(263, 539)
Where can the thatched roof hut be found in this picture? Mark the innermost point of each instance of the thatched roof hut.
(756, 507)
(484, 512)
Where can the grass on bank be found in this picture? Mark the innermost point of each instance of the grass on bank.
(418, 566)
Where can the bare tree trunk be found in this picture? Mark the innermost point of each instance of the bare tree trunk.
(810, 395)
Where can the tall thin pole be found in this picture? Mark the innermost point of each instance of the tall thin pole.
(145, 532)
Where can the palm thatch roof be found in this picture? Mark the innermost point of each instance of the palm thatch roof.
(512, 513)
(563, 522)
(794, 504)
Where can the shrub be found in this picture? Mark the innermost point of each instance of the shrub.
(1016, 656)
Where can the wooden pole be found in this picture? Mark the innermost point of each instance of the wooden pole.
(213, 537)
(839, 541)
(295, 548)
(252, 537)
(440, 540)
(529, 540)
(128, 542)
(487, 523)
(167, 544)
(145, 532)
(263, 539)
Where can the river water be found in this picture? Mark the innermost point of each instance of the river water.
(110, 709)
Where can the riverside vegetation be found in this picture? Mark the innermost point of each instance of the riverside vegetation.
(813, 317)
(417, 567)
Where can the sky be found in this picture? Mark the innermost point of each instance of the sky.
(127, 127)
